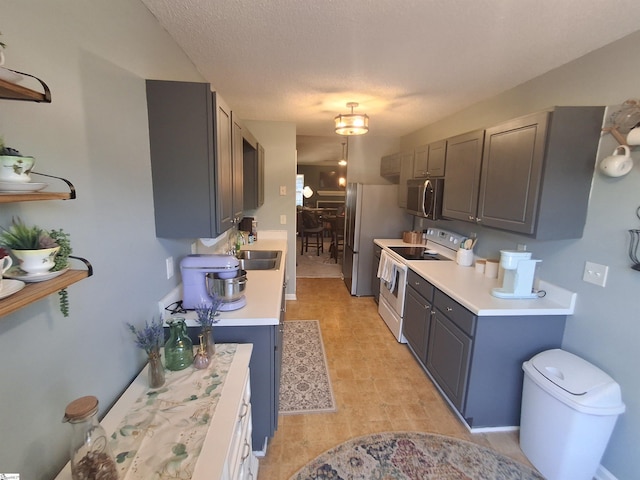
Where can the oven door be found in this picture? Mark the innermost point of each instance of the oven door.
(393, 291)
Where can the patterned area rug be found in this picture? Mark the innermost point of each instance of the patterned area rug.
(413, 456)
(305, 386)
(311, 265)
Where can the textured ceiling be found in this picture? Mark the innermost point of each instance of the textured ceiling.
(407, 63)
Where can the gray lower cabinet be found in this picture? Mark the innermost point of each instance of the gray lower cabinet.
(191, 159)
(418, 313)
(264, 369)
(475, 361)
(375, 281)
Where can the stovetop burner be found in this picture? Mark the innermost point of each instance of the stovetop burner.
(418, 253)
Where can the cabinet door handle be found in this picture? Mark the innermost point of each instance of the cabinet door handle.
(471, 217)
(449, 309)
(244, 411)
(427, 307)
(246, 451)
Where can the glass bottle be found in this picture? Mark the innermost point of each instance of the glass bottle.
(208, 341)
(178, 351)
(91, 457)
(201, 360)
(156, 370)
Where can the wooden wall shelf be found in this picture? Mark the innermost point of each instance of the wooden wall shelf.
(32, 292)
(12, 197)
(13, 91)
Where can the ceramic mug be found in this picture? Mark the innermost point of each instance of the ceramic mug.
(617, 165)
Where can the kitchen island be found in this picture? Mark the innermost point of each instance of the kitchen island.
(259, 322)
(471, 344)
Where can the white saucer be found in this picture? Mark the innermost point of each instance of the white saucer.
(16, 273)
(21, 187)
(9, 287)
(9, 76)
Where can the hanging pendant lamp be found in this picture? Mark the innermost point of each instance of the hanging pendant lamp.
(352, 123)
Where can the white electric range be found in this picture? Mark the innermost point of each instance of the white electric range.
(441, 245)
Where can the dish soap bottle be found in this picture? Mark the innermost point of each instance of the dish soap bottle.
(178, 351)
(91, 457)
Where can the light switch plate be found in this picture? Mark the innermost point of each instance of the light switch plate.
(283, 189)
(169, 262)
(595, 273)
(283, 219)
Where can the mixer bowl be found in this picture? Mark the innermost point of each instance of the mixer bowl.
(226, 289)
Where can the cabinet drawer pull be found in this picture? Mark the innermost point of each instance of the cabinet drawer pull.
(449, 309)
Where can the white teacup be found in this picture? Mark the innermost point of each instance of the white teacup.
(5, 264)
(617, 165)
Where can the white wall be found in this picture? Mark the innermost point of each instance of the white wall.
(95, 57)
(605, 328)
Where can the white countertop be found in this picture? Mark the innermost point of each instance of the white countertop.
(473, 289)
(263, 293)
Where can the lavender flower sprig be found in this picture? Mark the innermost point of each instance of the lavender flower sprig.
(150, 337)
(207, 313)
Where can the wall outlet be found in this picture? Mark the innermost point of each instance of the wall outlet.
(283, 190)
(521, 247)
(595, 273)
(194, 247)
(283, 219)
(169, 262)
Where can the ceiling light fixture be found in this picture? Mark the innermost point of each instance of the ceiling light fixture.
(343, 160)
(352, 123)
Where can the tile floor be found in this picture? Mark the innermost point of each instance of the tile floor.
(378, 385)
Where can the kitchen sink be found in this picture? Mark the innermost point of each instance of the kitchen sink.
(259, 259)
(259, 254)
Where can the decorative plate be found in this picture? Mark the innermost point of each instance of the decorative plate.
(16, 273)
(9, 287)
(18, 187)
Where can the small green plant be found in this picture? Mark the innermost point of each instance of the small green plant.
(20, 237)
(61, 262)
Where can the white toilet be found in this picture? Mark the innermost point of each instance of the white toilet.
(569, 409)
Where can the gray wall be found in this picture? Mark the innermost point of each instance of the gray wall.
(605, 328)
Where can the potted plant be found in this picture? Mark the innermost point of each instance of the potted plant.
(14, 167)
(38, 251)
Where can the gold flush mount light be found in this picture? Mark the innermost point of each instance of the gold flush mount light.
(352, 123)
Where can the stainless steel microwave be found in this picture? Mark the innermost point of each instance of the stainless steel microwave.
(424, 197)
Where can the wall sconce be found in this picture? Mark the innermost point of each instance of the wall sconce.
(342, 182)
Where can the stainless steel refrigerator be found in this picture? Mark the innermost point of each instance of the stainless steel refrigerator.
(371, 211)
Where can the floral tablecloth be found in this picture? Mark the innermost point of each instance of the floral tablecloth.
(162, 434)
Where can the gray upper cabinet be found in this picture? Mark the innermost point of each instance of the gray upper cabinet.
(462, 176)
(224, 166)
(406, 172)
(537, 172)
(390, 166)
(429, 160)
(237, 167)
(253, 177)
(191, 159)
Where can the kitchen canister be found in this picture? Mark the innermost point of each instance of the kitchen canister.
(480, 265)
(90, 454)
(491, 268)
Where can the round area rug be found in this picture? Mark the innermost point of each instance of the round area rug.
(412, 456)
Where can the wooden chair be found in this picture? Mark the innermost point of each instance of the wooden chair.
(310, 228)
(337, 237)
